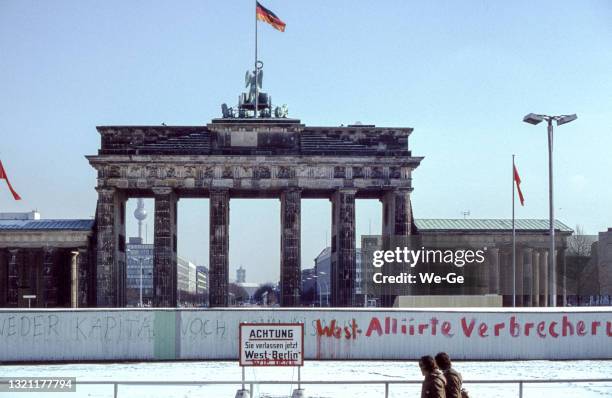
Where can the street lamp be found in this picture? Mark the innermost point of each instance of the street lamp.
(141, 275)
(534, 119)
(320, 289)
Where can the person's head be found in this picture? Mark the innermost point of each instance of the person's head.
(443, 361)
(427, 364)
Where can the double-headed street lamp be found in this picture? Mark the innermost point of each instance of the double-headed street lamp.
(320, 288)
(533, 118)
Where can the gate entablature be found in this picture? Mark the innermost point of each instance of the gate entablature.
(274, 136)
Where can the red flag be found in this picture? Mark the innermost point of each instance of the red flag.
(263, 14)
(517, 180)
(3, 176)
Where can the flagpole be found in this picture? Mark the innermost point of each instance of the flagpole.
(513, 242)
(256, 72)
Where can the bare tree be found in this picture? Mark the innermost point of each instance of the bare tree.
(240, 294)
(268, 290)
(579, 244)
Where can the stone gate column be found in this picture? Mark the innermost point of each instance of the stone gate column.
(3, 277)
(543, 278)
(49, 280)
(74, 279)
(12, 298)
(219, 248)
(83, 274)
(527, 277)
(290, 274)
(397, 213)
(535, 292)
(110, 261)
(481, 274)
(164, 248)
(505, 258)
(561, 277)
(520, 258)
(396, 229)
(494, 271)
(552, 278)
(343, 261)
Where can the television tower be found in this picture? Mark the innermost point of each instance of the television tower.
(140, 213)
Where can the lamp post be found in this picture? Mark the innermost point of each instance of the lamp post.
(534, 119)
(141, 275)
(318, 281)
(326, 293)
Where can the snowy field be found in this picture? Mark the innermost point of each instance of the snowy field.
(318, 370)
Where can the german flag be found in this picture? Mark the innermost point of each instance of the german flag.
(263, 14)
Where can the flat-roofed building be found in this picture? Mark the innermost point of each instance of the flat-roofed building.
(202, 284)
(46, 262)
(531, 282)
(186, 282)
(139, 273)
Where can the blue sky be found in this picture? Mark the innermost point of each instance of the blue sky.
(462, 74)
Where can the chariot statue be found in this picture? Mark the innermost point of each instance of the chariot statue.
(247, 101)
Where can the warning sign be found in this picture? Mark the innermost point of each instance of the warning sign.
(271, 344)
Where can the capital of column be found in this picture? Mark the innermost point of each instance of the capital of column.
(401, 190)
(397, 191)
(105, 190)
(162, 190)
(290, 191)
(218, 192)
(344, 191)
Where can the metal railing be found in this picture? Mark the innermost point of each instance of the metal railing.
(386, 383)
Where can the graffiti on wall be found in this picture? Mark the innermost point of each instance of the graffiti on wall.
(468, 327)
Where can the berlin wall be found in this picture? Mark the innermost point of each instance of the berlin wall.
(171, 334)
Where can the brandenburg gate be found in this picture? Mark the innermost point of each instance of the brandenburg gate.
(241, 156)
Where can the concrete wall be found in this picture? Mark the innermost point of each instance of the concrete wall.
(149, 334)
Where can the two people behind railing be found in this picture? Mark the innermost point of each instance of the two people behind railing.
(441, 380)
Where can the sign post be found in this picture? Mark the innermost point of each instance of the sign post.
(271, 344)
(29, 297)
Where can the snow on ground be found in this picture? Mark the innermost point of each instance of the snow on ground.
(318, 370)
